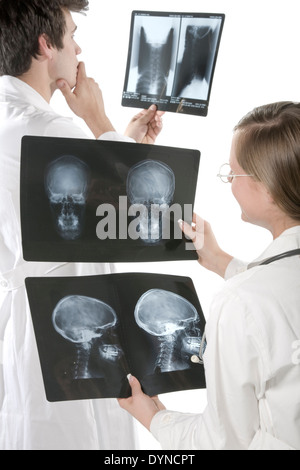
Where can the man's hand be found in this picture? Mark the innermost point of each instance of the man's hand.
(86, 101)
(145, 127)
(140, 406)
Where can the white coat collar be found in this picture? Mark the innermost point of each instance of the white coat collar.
(18, 91)
(288, 240)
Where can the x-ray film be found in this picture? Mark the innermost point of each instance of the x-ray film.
(92, 332)
(171, 61)
(98, 201)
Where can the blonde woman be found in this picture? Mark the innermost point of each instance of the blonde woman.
(253, 330)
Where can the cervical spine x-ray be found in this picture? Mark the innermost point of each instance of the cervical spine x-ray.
(154, 64)
(194, 67)
(92, 331)
(89, 324)
(171, 59)
(175, 323)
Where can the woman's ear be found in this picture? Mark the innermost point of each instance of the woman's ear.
(45, 47)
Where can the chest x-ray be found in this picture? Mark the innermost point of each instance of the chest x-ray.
(171, 60)
(92, 332)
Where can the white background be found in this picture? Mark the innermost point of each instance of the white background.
(258, 63)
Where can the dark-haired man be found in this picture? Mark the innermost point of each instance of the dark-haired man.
(38, 54)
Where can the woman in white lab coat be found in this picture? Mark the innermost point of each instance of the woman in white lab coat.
(253, 331)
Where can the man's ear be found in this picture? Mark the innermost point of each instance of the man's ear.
(45, 47)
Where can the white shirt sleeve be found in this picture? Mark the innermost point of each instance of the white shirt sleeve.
(116, 137)
(233, 376)
(235, 267)
(59, 126)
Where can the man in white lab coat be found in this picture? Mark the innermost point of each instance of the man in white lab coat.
(39, 55)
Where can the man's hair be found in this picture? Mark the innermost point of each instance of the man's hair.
(22, 22)
(268, 147)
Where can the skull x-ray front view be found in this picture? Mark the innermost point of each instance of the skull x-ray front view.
(175, 322)
(151, 184)
(83, 320)
(66, 183)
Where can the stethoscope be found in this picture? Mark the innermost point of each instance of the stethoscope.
(288, 254)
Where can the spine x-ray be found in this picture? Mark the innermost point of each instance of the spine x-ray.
(91, 332)
(171, 60)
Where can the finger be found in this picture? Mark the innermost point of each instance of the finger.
(198, 223)
(147, 115)
(158, 121)
(135, 385)
(139, 115)
(187, 230)
(81, 71)
(65, 88)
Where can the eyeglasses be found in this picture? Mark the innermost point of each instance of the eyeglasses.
(228, 176)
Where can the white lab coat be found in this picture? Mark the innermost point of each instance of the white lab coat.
(251, 365)
(27, 420)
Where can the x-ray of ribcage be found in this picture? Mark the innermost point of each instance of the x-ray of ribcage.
(175, 323)
(196, 59)
(154, 65)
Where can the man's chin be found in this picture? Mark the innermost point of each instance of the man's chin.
(245, 218)
(71, 82)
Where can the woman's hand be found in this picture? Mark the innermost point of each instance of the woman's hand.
(210, 254)
(141, 406)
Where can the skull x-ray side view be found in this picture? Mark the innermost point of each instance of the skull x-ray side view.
(175, 322)
(66, 184)
(151, 184)
(83, 320)
(92, 331)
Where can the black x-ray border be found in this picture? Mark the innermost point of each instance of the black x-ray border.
(121, 292)
(175, 102)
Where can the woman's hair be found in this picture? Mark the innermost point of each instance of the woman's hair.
(21, 24)
(268, 147)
